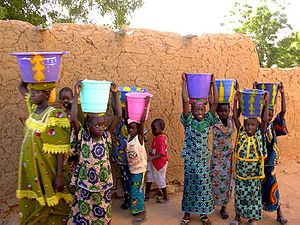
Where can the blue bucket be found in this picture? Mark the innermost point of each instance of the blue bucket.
(225, 89)
(272, 88)
(252, 102)
(94, 96)
(128, 89)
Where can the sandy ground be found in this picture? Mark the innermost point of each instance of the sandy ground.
(171, 214)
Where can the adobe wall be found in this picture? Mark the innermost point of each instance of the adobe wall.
(145, 58)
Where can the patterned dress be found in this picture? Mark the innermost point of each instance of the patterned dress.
(221, 162)
(46, 135)
(249, 170)
(92, 201)
(269, 185)
(197, 193)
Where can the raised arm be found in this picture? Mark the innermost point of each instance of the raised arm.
(236, 113)
(264, 118)
(116, 104)
(74, 109)
(215, 97)
(22, 86)
(283, 103)
(141, 127)
(185, 97)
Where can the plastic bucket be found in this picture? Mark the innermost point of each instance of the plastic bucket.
(225, 89)
(252, 102)
(128, 89)
(39, 66)
(198, 85)
(135, 105)
(94, 96)
(272, 88)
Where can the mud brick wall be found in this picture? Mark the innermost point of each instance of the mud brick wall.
(145, 58)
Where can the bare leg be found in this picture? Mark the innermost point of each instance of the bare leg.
(280, 217)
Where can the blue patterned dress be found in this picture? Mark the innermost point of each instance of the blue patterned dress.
(270, 189)
(197, 193)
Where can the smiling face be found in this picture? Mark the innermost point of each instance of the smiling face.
(251, 126)
(198, 111)
(66, 98)
(38, 97)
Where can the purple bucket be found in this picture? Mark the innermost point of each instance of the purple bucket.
(39, 66)
(198, 85)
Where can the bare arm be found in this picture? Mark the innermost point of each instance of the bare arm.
(22, 86)
(215, 98)
(141, 130)
(283, 103)
(116, 104)
(59, 179)
(185, 97)
(74, 109)
(264, 117)
(236, 113)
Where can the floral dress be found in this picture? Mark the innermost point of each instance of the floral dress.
(270, 189)
(92, 201)
(249, 171)
(221, 161)
(197, 193)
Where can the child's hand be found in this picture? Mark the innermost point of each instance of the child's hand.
(147, 100)
(114, 88)
(237, 85)
(254, 86)
(78, 86)
(237, 96)
(183, 77)
(213, 81)
(281, 87)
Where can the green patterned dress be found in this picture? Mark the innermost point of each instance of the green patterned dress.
(46, 135)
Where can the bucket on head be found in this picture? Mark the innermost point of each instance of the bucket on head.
(39, 66)
(136, 104)
(198, 85)
(94, 96)
(272, 88)
(252, 102)
(225, 90)
(127, 89)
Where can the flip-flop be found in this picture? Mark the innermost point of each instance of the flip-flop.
(282, 220)
(139, 220)
(224, 214)
(185, 222)
(205, 220)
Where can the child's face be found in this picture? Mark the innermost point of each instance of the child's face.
(223, 112)
(65, 99)
(97, 125)
(38, 97)
(156, 129)
(270, 115)
(133, 129)
(198, 111)
(251, 126)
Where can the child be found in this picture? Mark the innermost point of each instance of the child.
(66, 99)
(43, 198)
(137, 161)
(158, 160)
(249, 160)
(222, 156)
(197, 194)
(275, 128)
(92, 202)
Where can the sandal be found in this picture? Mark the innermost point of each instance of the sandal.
(205, 220)
(282, 220)
(139, 220)
(224, 214)
(184, 222)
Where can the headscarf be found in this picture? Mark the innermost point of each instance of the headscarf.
(198, 101)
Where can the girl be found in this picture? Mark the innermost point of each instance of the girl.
(275, 128)
(197, 193)
(249, 160)
(158, 160)
(222, 155)
(137, 161)
(92, 202)
(41, 191)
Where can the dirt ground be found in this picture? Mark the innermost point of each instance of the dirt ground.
(170, 214)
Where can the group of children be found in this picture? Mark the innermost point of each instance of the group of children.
(43, 185)
(247, 165)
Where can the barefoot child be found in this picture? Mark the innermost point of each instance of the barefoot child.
(197, 193)
(43, 198)
(137, 161)
(158, 160)
(249, 162)
(92, 202)
(222, 156)
(275, 128)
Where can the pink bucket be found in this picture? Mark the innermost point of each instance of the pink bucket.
(198, 85)
(136, 104)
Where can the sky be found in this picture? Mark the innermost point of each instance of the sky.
(195, 16)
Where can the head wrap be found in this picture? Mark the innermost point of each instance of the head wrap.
(42, 86)
(198, 101)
